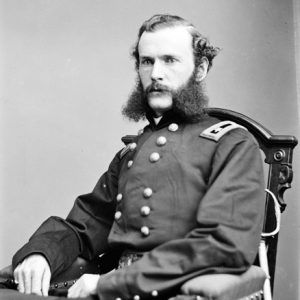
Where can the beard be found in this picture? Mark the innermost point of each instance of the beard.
(189, 101)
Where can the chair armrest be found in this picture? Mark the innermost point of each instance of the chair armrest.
(7, 278)
(60, 283)
(226, 286)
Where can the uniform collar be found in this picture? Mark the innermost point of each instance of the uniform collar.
(168, 118)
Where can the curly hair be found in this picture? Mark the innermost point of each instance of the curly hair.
(201, 46)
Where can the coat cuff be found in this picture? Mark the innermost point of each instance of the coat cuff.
(51, 250)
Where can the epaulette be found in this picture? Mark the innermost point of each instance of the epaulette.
(216, 131)
(124, 151)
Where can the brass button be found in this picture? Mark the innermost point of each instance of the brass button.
(145, 231)
(154, 293)
(118, 298)
(145, 210)
(132, 146)
(129, 164)
(119, 197)
(118, 215)
(173, 127)
(161, 140)
(154, 157)
(147, 192)
(136, 297)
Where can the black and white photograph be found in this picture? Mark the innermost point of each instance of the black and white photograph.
(149, 149)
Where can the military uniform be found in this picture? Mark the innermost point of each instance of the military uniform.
(189, 196)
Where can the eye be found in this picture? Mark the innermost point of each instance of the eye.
(146, 61)
(170, 60)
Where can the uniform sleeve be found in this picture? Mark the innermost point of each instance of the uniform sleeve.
(85, 230)
(229, 223)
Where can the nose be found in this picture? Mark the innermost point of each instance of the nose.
(157, 73)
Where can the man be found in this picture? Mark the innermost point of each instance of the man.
(184, 198)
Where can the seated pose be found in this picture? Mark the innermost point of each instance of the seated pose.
(185, 197)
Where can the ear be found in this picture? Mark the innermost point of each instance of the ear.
(202, 69)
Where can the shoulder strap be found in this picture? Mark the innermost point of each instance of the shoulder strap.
(216, 131)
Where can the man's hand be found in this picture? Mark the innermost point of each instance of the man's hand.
(86, 285)
(33, 275)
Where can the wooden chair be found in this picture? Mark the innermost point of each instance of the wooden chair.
(258, 281)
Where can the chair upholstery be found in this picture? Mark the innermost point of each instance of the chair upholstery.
(226, 286)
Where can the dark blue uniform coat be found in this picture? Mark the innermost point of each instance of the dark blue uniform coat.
(192, 204)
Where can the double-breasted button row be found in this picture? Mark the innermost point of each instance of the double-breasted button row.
(147, 192)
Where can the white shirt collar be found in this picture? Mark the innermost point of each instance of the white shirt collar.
(156, 120)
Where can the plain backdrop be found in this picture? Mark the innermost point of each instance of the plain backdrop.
(65, 72)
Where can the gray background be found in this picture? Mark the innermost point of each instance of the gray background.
(65, 72)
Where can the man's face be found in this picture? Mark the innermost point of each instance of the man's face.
(166, 64)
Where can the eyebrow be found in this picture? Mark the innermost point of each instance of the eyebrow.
(171, 56)
(146, 56)
(160, 56)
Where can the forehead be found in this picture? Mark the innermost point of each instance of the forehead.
(166, 41)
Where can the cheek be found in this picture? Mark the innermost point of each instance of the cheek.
(181, 78)
(143, 80)
(144, 77)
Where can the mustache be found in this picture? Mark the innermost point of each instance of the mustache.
(157, 87)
